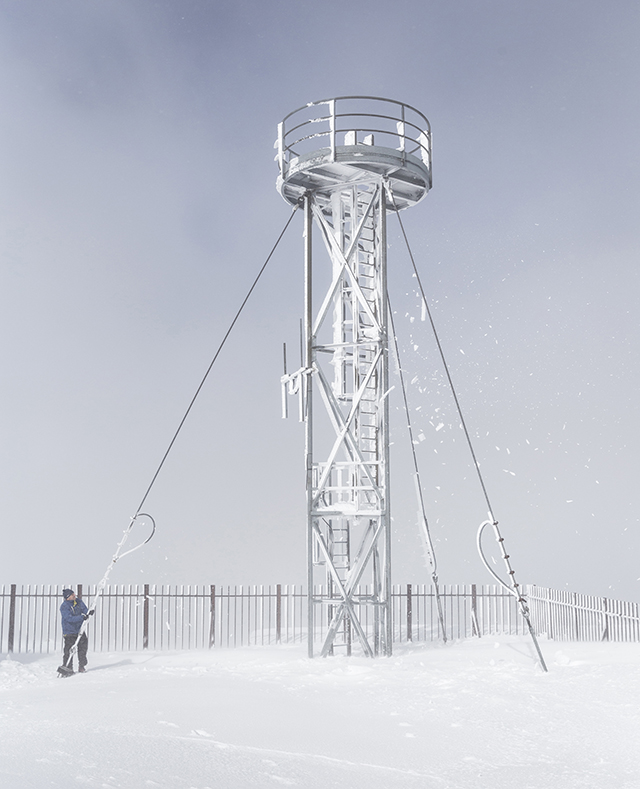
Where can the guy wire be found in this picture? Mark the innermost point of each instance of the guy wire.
(444, 362)
(213, 361)
(430, 547)
(522, 603)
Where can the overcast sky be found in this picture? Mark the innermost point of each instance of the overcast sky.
(138, 201)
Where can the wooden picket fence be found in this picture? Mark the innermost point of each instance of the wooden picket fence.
(130, 618)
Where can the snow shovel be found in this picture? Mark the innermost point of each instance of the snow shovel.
(65, 671)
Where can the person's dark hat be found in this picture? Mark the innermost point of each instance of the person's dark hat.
(66, 593)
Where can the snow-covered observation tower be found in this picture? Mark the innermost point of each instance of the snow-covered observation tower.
(348, 161)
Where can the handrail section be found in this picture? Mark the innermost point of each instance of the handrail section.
(407, 129)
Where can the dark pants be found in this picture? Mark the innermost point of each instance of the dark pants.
(83, 645)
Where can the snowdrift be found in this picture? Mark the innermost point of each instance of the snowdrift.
(470, 715)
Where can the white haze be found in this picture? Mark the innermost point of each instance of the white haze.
(137, 202)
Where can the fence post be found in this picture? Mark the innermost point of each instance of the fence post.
(79, 593)
(475, 628)
(145, 618)
(605, 630)
(409, 614)
(12, 618)
(278, 612)
(212, 619)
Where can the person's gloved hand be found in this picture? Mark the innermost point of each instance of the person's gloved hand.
(91, 613)
(85, 617)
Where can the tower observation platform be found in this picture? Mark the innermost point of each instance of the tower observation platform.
(343, 140)
(349, 161)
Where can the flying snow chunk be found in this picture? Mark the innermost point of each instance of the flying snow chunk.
(439, 426)
(386, 394)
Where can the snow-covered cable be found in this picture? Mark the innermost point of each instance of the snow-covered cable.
(213, 361)
(443, 357)
(514, 589)
(424, 523)
(103, 582)
(139, 514)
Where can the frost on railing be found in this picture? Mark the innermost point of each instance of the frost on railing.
(569, 616)
(331, 124)
(137, 617)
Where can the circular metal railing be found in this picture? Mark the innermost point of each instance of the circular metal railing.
(353, 120)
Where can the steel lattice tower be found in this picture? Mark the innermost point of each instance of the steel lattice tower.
(376, 158)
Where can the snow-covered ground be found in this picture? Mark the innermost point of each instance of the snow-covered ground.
(469, 715)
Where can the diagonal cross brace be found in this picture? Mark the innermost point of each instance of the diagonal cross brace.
(351, 446)
(346, 603)
(355, 574)
(344, 431)
(343, 258)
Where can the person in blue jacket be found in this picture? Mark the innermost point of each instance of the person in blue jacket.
(74, 612)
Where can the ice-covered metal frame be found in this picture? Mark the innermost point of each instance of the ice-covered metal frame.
(320, 144)
(347, 186)
(347, 440)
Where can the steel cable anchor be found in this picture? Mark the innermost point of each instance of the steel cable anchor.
(65, 669)
(513, 590)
